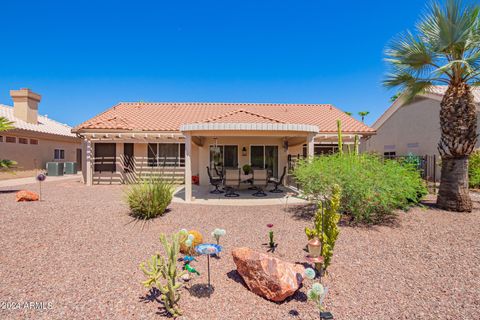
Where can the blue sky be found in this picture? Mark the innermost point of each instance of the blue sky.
(85, 56)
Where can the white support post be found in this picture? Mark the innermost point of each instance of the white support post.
(310, 145)
(188, 168)
(89, 162)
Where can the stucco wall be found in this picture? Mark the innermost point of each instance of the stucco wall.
(417, 122)
(31, 156)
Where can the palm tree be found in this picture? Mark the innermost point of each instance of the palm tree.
(445, 50)
(363, 114)
(348, 113)
(4, 126)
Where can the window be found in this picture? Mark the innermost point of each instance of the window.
(22, 141)
(1, 138)
(128, 159)
(412, 145)
(166, 154)
(59, 154)
(33, 141)
(389, 155)
(10, 139)
(223, 156)
(265, 157)
(105, 157)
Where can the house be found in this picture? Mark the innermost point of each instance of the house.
(35, 139)
(413, 127)
(132, 140)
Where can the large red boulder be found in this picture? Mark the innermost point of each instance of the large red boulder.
(25, 195)
(266, 275)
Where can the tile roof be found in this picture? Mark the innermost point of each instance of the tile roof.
(169, 116)
(44, 125)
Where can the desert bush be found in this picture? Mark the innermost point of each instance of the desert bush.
(149, 198)
(474, 169)
(372, 188)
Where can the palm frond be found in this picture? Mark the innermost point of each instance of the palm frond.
(5, 124)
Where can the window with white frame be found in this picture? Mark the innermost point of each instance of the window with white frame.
(59, 154)
(22, 140)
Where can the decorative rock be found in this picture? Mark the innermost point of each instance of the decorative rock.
(25, 195)
(266, 275)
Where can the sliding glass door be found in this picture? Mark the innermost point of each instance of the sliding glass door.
(265, 157)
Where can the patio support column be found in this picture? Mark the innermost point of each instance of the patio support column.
(188, 168)
(89, 162)
(310, 145)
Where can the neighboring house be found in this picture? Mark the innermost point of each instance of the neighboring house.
(134, 139)
(35, 140)
(411, 128)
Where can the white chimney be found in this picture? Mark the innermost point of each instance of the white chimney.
(25, 105)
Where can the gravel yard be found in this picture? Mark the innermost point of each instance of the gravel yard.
(79, 250)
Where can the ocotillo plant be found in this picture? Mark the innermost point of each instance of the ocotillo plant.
(163, 274)
(340, 141)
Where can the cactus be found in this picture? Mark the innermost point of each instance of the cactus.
(186, 246)
(340, 140)
(329, 225)
(163, 273)
(355, 148)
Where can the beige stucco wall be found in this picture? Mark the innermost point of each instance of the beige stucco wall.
(30, 156)
(417, 122)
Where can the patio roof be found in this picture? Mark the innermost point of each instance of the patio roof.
(282, 127)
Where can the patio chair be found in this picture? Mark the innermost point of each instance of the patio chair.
(278, 182)
(218, 172)
(231, 182)
(216, 182)
(260, 181)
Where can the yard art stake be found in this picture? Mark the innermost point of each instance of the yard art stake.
(208, 249)
(40, 178)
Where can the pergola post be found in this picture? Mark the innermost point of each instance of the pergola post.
(310, 145)
(188, 168)
(89, 162)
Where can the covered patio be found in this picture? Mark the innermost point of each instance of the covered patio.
(202, 195)
(262, 145)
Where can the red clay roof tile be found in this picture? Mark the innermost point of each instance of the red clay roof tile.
(169, 116)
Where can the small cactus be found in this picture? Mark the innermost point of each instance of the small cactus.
(163, 273)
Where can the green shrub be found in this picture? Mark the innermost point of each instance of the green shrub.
(149, 198)
(474, 169)
(372, 188)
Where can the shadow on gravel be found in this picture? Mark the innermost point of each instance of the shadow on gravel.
(235, 276)
(154, 296)
(201, 290)
(144, 223)
(8, 191)
(302, 212)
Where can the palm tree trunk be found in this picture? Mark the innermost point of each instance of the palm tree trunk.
(453, 194)
(458, 124)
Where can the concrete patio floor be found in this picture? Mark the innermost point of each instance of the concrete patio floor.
(202, 195)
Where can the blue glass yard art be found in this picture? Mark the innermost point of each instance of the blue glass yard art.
(208, 249)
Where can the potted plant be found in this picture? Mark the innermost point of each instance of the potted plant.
(247, 169)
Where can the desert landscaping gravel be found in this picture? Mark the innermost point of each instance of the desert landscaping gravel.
(78, 252)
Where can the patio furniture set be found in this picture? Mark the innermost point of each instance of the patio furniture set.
(231, 180)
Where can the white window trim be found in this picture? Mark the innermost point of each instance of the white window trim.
(59, 154)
